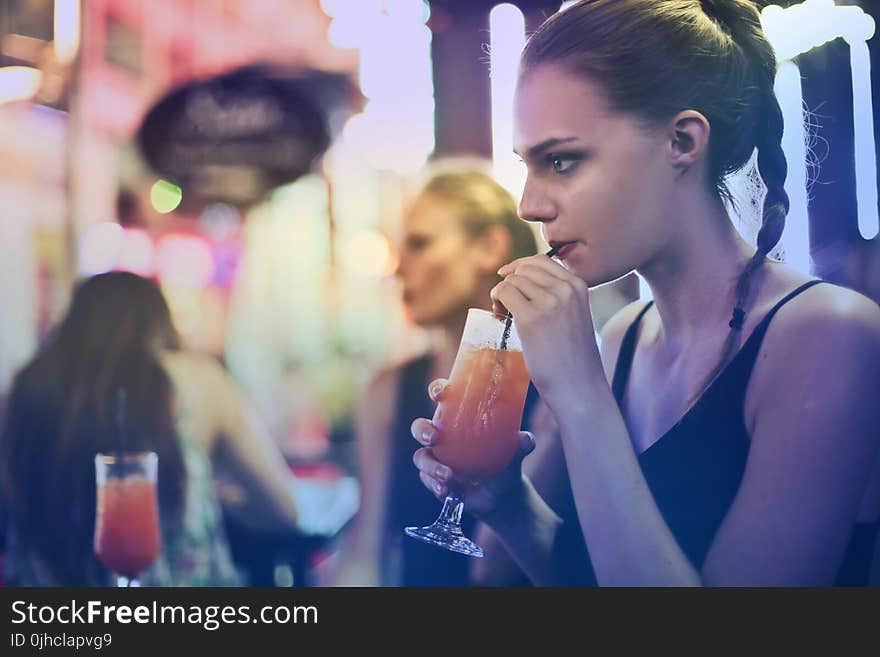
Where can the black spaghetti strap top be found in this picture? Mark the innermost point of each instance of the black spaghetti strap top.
(694, 470)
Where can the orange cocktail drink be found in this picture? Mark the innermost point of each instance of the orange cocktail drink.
(127, 525)
(480, 416)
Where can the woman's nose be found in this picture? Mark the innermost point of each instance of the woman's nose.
(535, 205)
(400, 270)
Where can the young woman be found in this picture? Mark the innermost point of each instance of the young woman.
(727, 431)
(116, 335)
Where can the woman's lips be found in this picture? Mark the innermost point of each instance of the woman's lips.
(562, 248)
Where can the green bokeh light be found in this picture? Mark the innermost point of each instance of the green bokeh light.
(165, 196)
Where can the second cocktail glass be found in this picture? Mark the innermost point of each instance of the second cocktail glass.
(479, 420)
(127, 537)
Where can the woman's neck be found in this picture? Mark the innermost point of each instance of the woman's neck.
(449, 333)
(694, 278)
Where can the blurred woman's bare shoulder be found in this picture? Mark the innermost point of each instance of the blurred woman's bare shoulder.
(190, 366)
(204, 392)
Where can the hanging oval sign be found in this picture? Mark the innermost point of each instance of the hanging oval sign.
(235, 136)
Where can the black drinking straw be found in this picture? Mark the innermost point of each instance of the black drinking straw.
(509, 321)
(119, 423)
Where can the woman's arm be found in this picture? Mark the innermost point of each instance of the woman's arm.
(628, 539)
(527, 529)
(245, 447)
(812, 411)
(373, 425)
(545, 468)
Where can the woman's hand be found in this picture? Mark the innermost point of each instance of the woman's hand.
(485, 499)
(551, 309)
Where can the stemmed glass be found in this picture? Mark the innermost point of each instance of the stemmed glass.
(479, 419)
(127, 538)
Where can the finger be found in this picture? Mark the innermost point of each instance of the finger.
(499, 309)
(427, 464)
(563, 284)
(538, 260)
(433, 485)
(539, 296)
(437, 389)
(424, 431)
(546, 276)
(511, 267)
(511, 298)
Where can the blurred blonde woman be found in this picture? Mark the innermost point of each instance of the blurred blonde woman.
(459, 228)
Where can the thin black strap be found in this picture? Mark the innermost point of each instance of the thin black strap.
(625, 355)
(751, 346)
(762, 327)
(748, 354)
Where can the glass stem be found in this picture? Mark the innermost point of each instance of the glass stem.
(450, 514)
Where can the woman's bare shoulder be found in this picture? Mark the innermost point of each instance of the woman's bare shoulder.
(199, 374)
(827, 336)
(824, 307)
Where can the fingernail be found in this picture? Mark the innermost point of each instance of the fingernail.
(442, 472)
(435, 389)
(438, 488)
(428, 437)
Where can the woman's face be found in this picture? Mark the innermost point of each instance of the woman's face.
(598, 181)
(441, 268)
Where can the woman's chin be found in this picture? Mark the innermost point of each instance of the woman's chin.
(420, 317)
(577, 265)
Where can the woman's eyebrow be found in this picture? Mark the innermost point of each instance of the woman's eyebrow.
(536, 150)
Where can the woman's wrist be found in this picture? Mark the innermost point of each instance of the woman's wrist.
(510, 509)
(521, 508)
(573, 383)
(527, 527)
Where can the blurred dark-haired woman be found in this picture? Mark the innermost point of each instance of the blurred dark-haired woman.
(118, 335)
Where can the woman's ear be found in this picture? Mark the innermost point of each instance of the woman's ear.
(494, 246)
(688, 138)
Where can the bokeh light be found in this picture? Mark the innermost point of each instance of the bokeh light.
(19, 83)
(165, 196)
(136, 253)
(99, 248)
(368, 253)
(184, 259)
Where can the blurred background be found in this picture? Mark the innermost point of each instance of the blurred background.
(253, 157)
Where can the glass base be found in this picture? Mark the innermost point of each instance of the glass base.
(446, 536)
(126, 582)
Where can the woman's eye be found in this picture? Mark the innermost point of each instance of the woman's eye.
(563, 163)
(417, 243)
